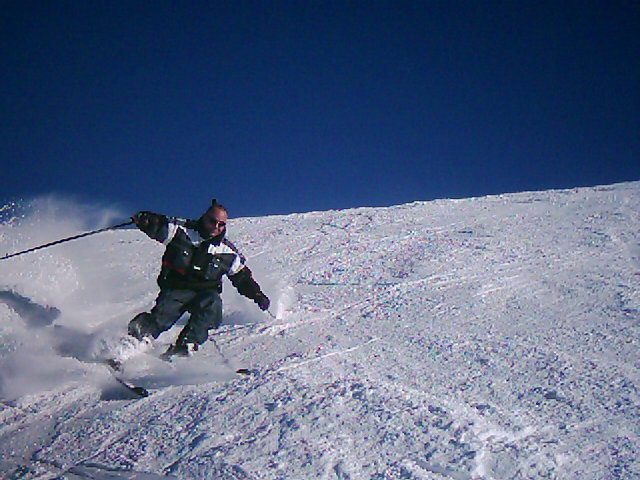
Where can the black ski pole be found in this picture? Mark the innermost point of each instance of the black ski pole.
(225, 360)
(86, 234)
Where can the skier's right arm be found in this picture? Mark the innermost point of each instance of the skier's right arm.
(155, 225)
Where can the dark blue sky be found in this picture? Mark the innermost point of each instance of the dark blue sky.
(280, 106)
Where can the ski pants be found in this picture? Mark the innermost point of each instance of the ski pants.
(206, 313)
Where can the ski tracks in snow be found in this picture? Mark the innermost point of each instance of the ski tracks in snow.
(457, 339)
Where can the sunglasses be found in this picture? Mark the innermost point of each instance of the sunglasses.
(215, 222)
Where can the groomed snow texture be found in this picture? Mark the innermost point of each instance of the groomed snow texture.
(484, 338)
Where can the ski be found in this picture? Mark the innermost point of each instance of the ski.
(115, 368)
(167, 357)
(135, 389)
(172, 353)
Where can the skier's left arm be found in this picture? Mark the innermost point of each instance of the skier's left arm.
(242, 278)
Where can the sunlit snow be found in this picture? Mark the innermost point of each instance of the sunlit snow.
(484, 338)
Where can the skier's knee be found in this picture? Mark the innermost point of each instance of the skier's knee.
(143, 325)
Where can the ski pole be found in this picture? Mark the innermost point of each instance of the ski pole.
(86, 234)
(225, 360)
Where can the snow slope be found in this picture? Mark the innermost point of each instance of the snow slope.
(485, 338)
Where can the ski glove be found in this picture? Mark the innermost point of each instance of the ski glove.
(262, 300)
(153, 224)
(143, 219)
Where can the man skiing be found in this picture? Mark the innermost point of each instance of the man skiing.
(196, 258)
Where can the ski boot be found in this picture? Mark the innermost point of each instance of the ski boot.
(179, 349)
(143, 326)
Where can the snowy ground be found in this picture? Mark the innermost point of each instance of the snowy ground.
(486, 338)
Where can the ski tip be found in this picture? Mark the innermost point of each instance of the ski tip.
(243, 371)
(140, 391)
(137, 390)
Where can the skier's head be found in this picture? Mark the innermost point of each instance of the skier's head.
(213, 222)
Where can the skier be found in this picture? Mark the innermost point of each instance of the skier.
(196, 258)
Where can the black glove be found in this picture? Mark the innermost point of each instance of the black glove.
(144, 219)
(141, 219)
(262, 300)
(153, 224)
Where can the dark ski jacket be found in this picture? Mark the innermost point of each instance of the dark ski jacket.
(193, 263)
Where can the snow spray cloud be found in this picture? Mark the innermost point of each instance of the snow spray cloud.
(46, 276)
(57, 285)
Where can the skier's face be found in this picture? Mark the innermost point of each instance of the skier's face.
(215, 221)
